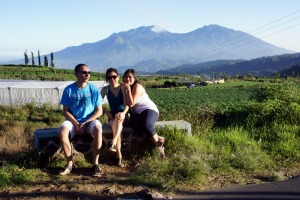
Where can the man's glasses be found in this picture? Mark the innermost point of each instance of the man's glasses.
(85, 72)
(110, 77)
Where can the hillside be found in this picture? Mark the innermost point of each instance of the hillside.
(264, 66)
(293, 71)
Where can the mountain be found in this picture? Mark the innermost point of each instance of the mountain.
(263, 66)
(151, 48)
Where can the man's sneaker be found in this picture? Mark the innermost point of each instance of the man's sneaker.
(113, 148)
(66, 171)
(97, 170)
(120, 163)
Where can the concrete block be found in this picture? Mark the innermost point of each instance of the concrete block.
(177, 124)
(47, 140)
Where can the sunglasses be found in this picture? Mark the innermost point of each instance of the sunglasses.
(85, 72)
(110, 77)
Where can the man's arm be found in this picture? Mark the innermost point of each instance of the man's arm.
(96, 115)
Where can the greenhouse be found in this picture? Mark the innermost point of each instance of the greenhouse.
(19, 92)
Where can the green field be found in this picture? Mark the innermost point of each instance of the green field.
(40, 73)
(171, 101)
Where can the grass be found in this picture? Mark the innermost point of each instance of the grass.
(244, 127)
(11, 174)
(186, 165)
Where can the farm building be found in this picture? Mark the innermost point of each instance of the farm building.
(217, 81)
(19, 92)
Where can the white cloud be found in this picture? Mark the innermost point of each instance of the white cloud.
(157, 29)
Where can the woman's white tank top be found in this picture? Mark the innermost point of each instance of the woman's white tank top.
(144, 103)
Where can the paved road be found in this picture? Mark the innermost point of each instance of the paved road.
(288, 189)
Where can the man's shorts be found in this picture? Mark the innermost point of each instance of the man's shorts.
(89, 129)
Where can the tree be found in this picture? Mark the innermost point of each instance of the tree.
(198, 72)
(26, 58)
(45, 61)
(39, 57)
(52, 58)
(32, 58)
(213, 75)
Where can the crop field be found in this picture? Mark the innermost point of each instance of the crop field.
(39, 73)
(183, 100)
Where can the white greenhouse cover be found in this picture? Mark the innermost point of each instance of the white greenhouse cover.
(19, 92)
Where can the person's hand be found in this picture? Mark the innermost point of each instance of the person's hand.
(78, 128)
(120, 116)
(126, 87)
(81, 128)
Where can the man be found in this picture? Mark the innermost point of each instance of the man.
(82, 105)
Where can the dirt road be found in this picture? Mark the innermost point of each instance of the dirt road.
(115, 185)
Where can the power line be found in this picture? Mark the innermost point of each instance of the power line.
(221, 45)
(255, 39)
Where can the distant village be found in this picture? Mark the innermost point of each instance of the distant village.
(190, 84)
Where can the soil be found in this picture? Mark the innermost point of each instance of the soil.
(114, 184)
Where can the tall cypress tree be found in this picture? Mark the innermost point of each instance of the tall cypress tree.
(26, 58)
(52, 58)
(39, 57)
(32, 58)
(45, 61)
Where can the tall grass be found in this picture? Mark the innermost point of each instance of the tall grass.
(185, 162)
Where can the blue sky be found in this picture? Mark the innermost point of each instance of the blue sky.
(52, 25)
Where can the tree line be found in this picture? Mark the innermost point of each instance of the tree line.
(46, 63)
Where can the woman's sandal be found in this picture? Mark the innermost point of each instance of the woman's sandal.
(66, 171)
(161, 152)
(160, 141)
(160, 147)
(113, 148)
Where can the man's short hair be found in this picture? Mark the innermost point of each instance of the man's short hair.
(78, 67)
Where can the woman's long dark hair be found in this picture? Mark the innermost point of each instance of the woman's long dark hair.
(136, 80)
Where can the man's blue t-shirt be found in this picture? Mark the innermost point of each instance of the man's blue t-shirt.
(82, 102)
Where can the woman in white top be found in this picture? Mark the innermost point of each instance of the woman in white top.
(145, 111)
